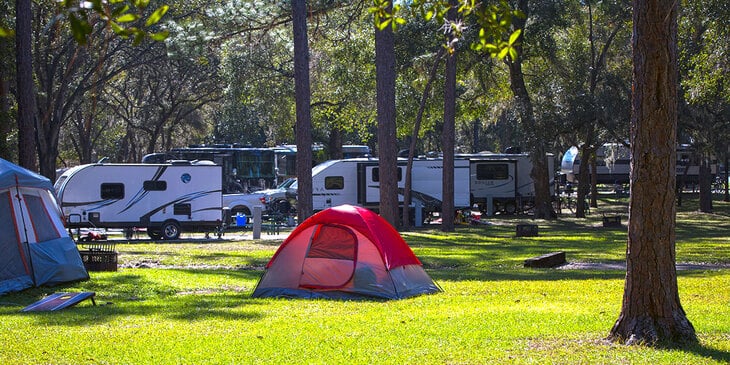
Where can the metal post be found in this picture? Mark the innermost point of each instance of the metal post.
(257, 222)
(419, 213)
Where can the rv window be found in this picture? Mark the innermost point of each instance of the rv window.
(376, 174)
(112, 191)
(492, 171)
(182, 209)
(334, 182)
(154, 185)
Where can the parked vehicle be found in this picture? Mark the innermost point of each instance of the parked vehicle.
(243, 204)
(504, 179)
(613, 164)
(479, 179)
(166, 198)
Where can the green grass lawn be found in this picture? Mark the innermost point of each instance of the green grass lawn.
(190, 303)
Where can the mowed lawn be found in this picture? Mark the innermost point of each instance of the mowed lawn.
(189, 303)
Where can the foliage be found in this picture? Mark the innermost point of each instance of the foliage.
(121, 16)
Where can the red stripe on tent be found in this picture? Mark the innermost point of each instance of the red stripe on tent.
(17, 233)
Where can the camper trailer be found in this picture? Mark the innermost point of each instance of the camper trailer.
(613, 164)
(494, 182)
(502, 182)
(166, 198)
(357, 181)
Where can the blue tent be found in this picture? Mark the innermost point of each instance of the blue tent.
(35, 248)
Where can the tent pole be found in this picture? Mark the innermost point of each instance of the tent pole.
(25, 230)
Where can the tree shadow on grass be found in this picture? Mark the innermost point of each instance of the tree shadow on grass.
(709, 352)
(123, 294)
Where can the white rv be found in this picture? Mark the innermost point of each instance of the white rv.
(500, 179)
(613, 164)
(505, 180)
(357, 181)
(165, 198)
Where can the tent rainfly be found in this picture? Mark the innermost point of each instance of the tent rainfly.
(36, 249)
(345, 252)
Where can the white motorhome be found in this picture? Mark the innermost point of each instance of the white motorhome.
(500, 179)
(166, 198)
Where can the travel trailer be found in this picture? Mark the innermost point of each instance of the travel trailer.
(505, 180)
(166, 198)
(500, 179)
(613, 164)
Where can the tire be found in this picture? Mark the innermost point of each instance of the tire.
(170, 230)
(510, 208)
(154, 234)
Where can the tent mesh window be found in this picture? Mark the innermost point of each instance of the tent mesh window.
(43, 225)
(330, 260)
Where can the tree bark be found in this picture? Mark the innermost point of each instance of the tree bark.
(5, 120)
(303, 112)
(705, 182)
(651, 312)
(448, 137)
(27, 153)
(540, 174)
(387, 143)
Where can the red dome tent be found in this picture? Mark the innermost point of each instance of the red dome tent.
(344, 252)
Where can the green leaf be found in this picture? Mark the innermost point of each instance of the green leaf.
(503, 53)
(79, 28)
(126, 18)
(515, 35)
(512, 53)
(138, 37)
(118, 30)
(384, 24)
(157, 15)
(141, 4)
(120, 10)
(6, 33)
(160, 36)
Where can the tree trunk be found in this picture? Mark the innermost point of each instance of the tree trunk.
(540, 174)
(387, 143)
(651, 312)
(26, 92)
(303, 112)
(448, 137)
(584, 175)
(705, 182)
(5, 121)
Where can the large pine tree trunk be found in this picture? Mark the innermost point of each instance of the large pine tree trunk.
(26, 91)
(651, 312)
(705, 182)
(536, 144)
(303, 113)
(387, 142)
(448, 137)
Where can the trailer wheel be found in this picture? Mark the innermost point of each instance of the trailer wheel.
(170, 230)
(154, 234)
(510, 208)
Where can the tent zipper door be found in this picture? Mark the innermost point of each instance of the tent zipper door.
(331, 258)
